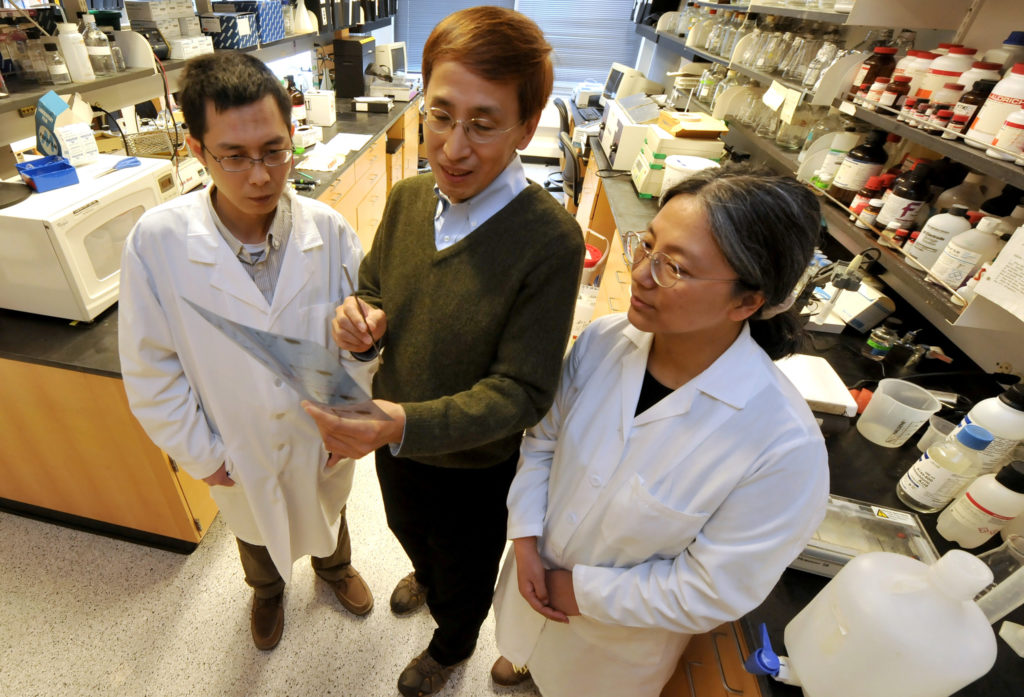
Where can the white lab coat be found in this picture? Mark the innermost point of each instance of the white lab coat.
(204, 400)
(672, 522)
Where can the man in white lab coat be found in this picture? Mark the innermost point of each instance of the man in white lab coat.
(250, 250)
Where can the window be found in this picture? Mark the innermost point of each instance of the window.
(587, 37)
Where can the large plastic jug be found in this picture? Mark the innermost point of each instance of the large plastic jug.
(888, 624)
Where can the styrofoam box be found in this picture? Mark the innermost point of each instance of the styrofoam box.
(141, 9)
(169, 28)
(190, 26)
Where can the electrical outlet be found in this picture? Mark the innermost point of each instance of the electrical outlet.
(1004, 367)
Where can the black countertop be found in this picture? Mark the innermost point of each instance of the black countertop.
(92, 346)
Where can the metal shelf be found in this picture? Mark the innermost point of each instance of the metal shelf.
(742, 137)
(811, 14)
(930, 300)
(647, 32)
(766, 78)
(975, 158)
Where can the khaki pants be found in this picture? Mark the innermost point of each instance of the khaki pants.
(266, 582)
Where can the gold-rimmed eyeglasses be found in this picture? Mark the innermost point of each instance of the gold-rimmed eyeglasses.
(665, 270)
(477, 129)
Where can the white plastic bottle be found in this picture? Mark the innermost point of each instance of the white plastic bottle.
(1012, 50)
(988, 504)
(944, 470)
(945, 69)
(980, 70)
(1006, 97)
(965, 253)
(970, 192)
(1009, 138)
(1003, 417)
(888, 624)
(936, 233)
(72, 45)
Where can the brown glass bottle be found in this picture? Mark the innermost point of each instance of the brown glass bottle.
(861, 163)
(881, 63)
(972, 101)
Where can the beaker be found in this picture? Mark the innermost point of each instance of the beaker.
(1006, 593)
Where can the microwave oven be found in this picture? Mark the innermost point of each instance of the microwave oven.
(60, 251)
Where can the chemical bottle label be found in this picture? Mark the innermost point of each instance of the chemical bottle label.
(954, 264)
(931, 484)
(98, 50)
(854, 174)
(972, 515)
(899, 209)
(995, 454)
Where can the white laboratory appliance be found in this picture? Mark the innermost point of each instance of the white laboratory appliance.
(62, 248)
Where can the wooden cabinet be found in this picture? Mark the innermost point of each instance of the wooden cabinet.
(593, 212)
(360, 190)
(72, 445)
(613, 295)
(712, 666)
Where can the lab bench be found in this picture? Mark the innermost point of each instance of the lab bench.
(859, 469)
(73, 453)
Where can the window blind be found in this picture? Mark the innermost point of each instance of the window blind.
(417, 18)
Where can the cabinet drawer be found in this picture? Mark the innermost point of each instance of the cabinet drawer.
(369, 213)
(370, 159)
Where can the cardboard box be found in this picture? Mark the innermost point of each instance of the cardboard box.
(168, 28)
(187, 47)
(230, 29)
(141, 9)
(269, 16)
(190, 26)
(691, 124)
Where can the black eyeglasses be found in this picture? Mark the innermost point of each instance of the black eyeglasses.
(242, 163)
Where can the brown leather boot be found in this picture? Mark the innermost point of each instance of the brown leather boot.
(424, 676)
(267, 621)
(504, 672)
(352, 592)
(408, 595)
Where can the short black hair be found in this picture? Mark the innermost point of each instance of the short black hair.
(228, 79)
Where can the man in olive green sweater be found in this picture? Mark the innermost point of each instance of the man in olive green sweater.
(469, 288)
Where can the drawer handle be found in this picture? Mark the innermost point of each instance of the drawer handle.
(689, 676)
(721, 670)
(611, 305)
(618, 277)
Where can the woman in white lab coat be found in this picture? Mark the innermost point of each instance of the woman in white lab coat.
(678, 472)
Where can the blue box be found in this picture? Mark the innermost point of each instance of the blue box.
(269, 16)
(230, 29)
(47, 173)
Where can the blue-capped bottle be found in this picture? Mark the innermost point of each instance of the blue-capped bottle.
(944, 470)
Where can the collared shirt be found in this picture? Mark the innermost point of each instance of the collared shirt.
(262, 261)
(454, 221)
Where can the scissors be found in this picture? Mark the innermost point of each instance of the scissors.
(359, 307)
(123, 164)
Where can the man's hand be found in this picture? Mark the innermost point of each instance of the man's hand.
(349, 330)
(561, 593)
(220, 477)
(532, 578)
(357, 437)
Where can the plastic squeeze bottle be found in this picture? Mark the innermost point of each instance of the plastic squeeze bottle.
(943, 470)
(965, 253)
(72, 45)
(985, 507)
(1003, 417)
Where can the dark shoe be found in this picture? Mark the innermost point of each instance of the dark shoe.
(267, 621)
(504, 672)
(408, 595)
(352, 592)
(424, 676)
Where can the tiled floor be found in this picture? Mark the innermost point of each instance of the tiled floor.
(84, 615)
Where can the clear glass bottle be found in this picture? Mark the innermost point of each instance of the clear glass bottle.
(55, 65)
(944, 470)
(881, 340)
(792, 135)
(732, 79)
(98, 47)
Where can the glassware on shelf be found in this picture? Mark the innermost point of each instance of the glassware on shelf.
(750, 110)
(792, 135)
(98, 47)
(767, 123)
(732, 79)
(824, 58)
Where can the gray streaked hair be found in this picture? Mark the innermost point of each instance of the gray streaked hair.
(767, 227)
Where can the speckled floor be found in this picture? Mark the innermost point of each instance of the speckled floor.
(82, 614)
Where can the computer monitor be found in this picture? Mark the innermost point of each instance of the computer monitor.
(391, 56)
(623, 81)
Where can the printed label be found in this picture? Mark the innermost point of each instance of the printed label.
(955, 264)
(98, 50)
(895, 516)
(973, 516)
(931, 484)
(853, 175)
(899, 209)
(997, 452)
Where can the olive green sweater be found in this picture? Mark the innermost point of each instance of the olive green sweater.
(476, 332)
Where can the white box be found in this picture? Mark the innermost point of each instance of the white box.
(321, 107)
(168, 28)
(647, 174)
(189, 26)
(140, 9)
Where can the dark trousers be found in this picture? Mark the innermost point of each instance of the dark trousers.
(263, 577)
(452, 524)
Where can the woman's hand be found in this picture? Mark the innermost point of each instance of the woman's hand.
(561, 595)
(532, 578)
